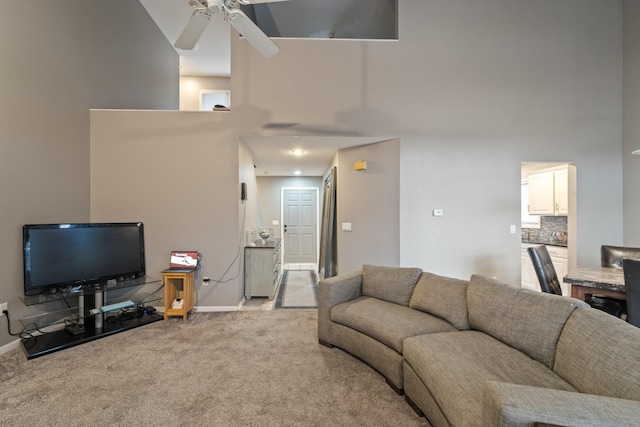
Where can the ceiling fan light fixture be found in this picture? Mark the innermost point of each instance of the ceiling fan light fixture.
(214, 5)
(195, 4)
(204, 9)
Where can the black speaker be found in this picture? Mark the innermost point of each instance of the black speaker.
(243, 191)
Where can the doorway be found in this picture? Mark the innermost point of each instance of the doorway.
(300, 225)
(548, 217)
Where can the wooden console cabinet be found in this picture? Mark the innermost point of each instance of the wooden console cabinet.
(261, 269)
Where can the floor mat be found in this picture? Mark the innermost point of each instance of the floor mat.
(298, 289)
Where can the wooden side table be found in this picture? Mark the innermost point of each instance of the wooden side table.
(178, 284)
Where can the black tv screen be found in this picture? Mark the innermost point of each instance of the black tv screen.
(60, 257)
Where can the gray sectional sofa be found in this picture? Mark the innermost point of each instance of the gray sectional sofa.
(482, 353)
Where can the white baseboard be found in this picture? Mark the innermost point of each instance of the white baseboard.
(217, 308)
(8, 347)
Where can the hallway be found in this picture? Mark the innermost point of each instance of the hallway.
(300, 289)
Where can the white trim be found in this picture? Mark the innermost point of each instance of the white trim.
(209, 91)
(218, 308)
(8, 347)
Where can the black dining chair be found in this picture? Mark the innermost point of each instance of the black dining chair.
(631, 269)
(550, 284)
(611, 256)
(545, 270)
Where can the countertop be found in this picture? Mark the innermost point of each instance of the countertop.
(559, 244)
(258, 244)
(608, 278)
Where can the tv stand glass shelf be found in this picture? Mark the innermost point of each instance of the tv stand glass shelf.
(71, 292)
(51, 331)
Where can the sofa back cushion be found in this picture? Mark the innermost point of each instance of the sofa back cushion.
(600, 354)
(444, 297)
(393, 284)
(527, 320)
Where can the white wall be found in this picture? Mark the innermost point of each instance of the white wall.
(191, 88)
(270, 194)
(59, 59)
(369, 200)
(178, 173)
(472, 88)
(631, 123)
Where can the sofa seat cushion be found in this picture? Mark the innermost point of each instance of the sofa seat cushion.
(386, 322)
(455, 367)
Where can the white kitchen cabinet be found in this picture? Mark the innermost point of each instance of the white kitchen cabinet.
(561, 191)
(549, 193)
(541, 194)
(560, 259)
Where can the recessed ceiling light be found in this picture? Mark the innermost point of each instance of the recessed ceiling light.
(297, 172)
(298, 152)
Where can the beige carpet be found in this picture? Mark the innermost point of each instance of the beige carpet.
(245, 368)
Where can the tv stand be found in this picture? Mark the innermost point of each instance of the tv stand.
(80, 327)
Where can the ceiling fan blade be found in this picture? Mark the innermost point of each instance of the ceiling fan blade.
(193, 30)
(253, 34)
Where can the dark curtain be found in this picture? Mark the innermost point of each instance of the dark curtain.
(328, 233)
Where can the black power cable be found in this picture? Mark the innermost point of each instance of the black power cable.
(6, 313)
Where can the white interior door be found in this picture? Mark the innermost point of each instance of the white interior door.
(300, 225)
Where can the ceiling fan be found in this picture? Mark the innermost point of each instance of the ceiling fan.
(204, 9)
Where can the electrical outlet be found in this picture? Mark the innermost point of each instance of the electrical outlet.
(3, 307)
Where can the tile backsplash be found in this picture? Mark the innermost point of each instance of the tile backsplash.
(544, 234)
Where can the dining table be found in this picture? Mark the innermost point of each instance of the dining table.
(604, 281)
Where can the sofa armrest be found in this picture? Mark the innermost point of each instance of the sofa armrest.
(513, 405)
(332, 291)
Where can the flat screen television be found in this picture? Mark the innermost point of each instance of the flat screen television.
(63, 257)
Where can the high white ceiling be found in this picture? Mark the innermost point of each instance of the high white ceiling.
(273, 152)
(274, 155)
(326, 19)
(212, 55)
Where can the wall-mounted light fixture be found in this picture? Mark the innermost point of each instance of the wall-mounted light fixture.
(360, 166)
(636, 151)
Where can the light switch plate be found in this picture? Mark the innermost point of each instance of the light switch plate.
(346, 226)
